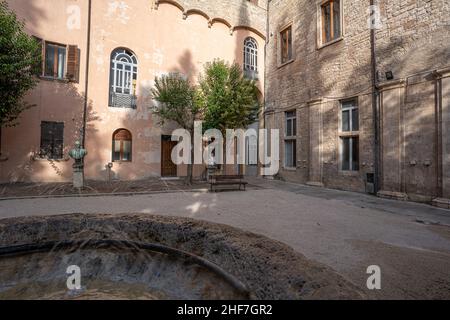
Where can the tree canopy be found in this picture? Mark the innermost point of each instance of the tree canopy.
(20, 55)
(229, 100)
(177, 100)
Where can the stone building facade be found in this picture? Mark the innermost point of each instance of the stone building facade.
(326, 87)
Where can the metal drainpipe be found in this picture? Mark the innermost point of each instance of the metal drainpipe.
(86, 84)
(265, 78)
(265, 62)
(375, 103)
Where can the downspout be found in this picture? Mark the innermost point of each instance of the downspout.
(265, 62)
(86, 84)
(260, 166)
(375, 108)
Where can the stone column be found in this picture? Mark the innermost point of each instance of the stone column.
(392, 140)
(315, 143)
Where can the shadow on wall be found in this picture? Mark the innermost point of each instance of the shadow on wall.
(406, 55)
(243, 19)
(186, 66)
(32, 164)
(34, 14)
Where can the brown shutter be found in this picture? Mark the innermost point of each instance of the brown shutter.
(73, 64)
(38, 69)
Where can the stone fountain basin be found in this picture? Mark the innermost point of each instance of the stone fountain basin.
(141, 256)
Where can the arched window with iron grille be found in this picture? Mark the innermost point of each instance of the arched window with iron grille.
(123, 79)
(251, 58)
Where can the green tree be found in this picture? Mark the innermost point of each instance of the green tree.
(178, 102)
(20, 55)
(229, 100)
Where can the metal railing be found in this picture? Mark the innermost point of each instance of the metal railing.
(251, 74)
(119, 100)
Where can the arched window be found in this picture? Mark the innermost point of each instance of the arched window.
(121, 145)
(250, 56)
(123, 77)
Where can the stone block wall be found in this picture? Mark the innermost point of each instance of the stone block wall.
(412, 43)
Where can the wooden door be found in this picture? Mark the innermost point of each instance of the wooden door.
(168, 168)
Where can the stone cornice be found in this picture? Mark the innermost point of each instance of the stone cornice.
(442, 73)
(233, 13)
(391, 84)
(314, 102)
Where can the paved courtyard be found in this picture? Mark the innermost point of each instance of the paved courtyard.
(346, 231)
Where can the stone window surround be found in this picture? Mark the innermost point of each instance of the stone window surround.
(290, 139)
(278, 44)
(320, 43)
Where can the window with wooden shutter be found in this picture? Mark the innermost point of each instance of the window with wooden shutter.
(286, 45)
(73, 63)
(38, 68)
(55, 60)
(52, 140)
(349, 135)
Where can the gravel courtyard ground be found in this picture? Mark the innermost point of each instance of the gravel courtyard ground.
(346, 231)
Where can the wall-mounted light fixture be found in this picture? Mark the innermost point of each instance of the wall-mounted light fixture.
(389, 75)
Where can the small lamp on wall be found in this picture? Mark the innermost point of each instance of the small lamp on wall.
(389, 75)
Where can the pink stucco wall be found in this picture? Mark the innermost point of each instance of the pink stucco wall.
(162, 41)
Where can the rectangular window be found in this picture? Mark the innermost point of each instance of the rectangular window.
(290, 153)
(251, 152)
(52, 140)
(286, 44)
(291, 124)
(290, 143)
(349, 135)
(331, 20)
(350, 153)
(350, 116)
(55, 61)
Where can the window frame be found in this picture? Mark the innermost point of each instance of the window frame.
(121, 152)
(251, 148)
(321, 30)
(293, 119)
(291, 58)
(250, 62)
(346, 106)
(290, 120)
(294, 154)
(349, 105)
(53, 154)
(123, 79)
(56, 58)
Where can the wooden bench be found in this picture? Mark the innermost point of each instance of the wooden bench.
(226, 180)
